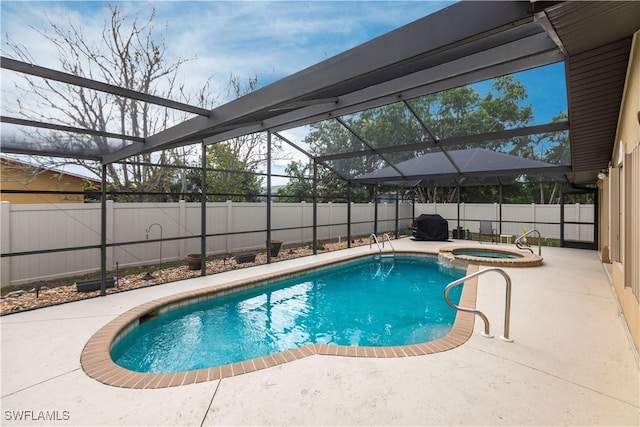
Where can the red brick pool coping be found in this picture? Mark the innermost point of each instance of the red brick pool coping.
(97, 363)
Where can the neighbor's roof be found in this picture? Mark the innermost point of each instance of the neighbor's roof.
(26, 165)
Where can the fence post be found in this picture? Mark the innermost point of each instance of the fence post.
(111, 231)
(229, 243)
(463, 216)
(533, 216)
(578, 225)
(5, 230)
(303, 204)
(330, 218)
(182, 223)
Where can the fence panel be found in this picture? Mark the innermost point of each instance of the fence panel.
(362, 215)
(515, 218)
(130, 222)
(54, 226)
(248, 217)
(39, 227)
(286, 215)
(337, 215)
(50, 226)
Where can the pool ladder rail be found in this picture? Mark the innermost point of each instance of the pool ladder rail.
(385, 237)
(384, 268)
(507, 305)
(525, 246)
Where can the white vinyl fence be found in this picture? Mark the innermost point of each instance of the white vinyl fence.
(516, 218)
(26, 228)
(40, 227)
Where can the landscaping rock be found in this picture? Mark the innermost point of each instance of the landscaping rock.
(15, 294)
(17, 301)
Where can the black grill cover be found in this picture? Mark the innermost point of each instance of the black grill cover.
(430, 227)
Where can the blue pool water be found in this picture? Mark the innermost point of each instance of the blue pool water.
(358, 303)
(481, 253)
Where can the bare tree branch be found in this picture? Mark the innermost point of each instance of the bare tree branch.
(131, 56)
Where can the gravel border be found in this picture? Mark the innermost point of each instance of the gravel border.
(20, 301)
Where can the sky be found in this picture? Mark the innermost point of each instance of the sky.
(267, 40)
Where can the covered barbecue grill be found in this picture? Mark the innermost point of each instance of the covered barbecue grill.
(430, 227)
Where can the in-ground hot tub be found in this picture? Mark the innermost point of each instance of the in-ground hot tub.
(460, 256)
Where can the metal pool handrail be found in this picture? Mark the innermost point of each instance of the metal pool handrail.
(386, 237)
(519, 243)
(375, 239)
(507, 305)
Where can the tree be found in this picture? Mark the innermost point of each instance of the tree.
(330, 187)
(300, 187)
(227, 177)
(130, 55)
(233, 180)
(558, 151)
(456, 112)
(236, 162)
(328, 137)
(250, 150)
(549, 147)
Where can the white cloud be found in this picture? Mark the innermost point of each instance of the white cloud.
(25, 23)
(241, 38)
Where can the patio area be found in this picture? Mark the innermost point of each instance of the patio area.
(571, 363)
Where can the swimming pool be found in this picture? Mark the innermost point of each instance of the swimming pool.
(97, 363)
(367, 302)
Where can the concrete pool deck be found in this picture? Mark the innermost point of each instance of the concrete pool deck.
(571, 363)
